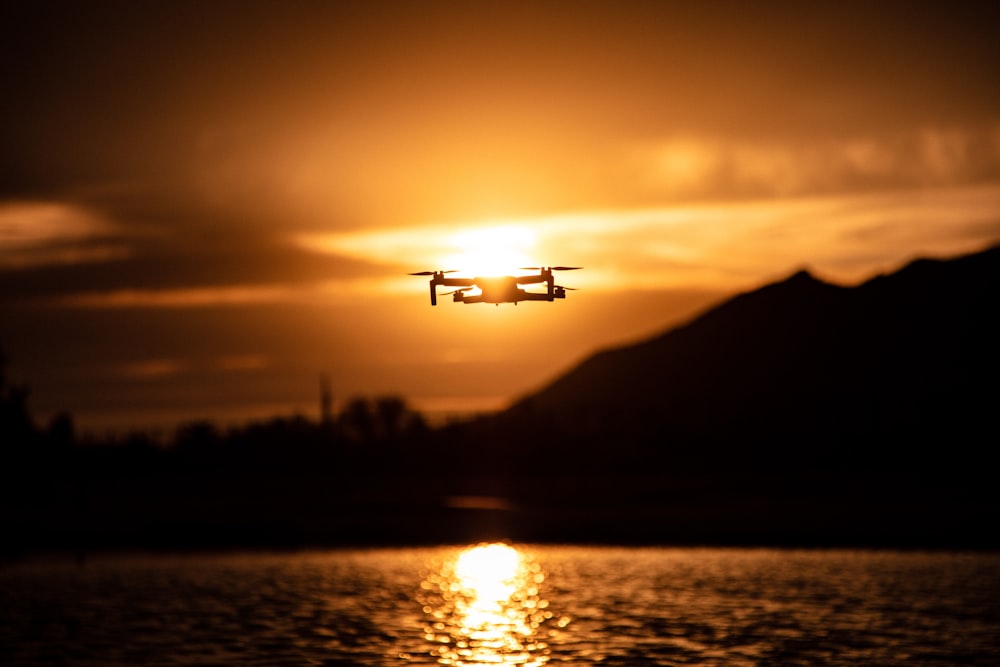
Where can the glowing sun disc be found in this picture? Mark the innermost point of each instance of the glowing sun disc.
(491, 251)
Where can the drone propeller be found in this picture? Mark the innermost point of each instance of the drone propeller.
(460, 289)
(552, 268)
(571, 289)
(430, 273)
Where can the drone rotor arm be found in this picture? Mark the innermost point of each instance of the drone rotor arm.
(431, 273)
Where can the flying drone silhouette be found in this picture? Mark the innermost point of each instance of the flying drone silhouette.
(500, 289)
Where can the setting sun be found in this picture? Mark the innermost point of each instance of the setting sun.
(491, 251)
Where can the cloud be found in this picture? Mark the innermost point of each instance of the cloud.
(338, 116)
(707, 167)
(40, 233)
(178, 298)
(153, 369)
(69, 258)
(243, 362)
(158, 368)
(719, 245)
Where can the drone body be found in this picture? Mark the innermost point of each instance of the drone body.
(500, 289)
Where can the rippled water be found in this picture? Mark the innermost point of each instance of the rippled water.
(528, 605)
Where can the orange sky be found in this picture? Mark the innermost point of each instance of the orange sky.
(203, 206)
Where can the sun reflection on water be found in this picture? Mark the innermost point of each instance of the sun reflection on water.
(484, 608)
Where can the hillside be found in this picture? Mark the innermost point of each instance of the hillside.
(801, 365)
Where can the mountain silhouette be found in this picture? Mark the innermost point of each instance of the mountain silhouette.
(800, 413)
(900, 370)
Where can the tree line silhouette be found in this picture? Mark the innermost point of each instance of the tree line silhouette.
(278, 481)
(384, 420)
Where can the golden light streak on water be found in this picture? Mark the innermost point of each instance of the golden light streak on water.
(484, 607)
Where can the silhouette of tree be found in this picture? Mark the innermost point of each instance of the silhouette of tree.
(386, 418)
(196, 434)
(358, 420)
(16, 424)
(390, 413)
(61, 432)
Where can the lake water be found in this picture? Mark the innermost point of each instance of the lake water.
(507, 605)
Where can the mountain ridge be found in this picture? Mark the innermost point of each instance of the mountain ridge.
(898, 359)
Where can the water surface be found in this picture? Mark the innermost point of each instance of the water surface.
(525, 605)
